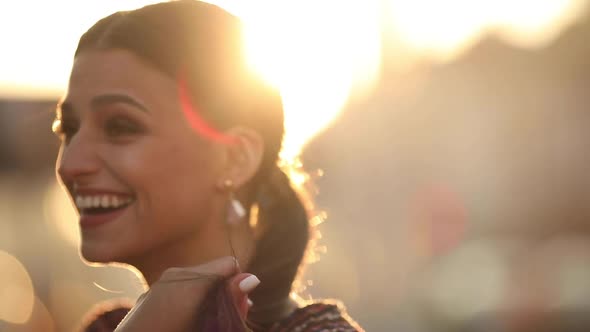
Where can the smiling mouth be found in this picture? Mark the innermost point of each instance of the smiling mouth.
(98, 204)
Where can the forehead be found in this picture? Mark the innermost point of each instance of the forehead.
(118, 71)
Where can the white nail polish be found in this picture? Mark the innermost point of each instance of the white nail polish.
(250, 303)
(248, 284)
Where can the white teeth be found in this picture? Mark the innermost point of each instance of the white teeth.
(104, 201)
(79, 201)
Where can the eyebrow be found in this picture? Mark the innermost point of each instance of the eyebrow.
(66, 107)
(114, 98)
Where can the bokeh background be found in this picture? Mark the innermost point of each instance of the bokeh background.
(448, 142)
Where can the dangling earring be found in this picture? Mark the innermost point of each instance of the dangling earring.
(236, 207)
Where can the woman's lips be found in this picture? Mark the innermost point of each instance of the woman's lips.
(91, 220)
(97, 207)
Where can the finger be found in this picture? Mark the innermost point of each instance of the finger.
(239, 297)
(240, 286)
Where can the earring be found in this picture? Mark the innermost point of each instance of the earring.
(236, 206)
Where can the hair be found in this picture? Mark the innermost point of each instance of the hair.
(204, 44)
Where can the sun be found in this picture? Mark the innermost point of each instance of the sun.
(313, 54)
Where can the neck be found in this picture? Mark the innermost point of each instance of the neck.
(211, 242)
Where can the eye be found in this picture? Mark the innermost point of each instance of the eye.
(64, 129)
(120, 126)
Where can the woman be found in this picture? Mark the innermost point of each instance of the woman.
(169, 151)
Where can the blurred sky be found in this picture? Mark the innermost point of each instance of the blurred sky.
(338, 43)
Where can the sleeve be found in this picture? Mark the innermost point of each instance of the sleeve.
(105, 316)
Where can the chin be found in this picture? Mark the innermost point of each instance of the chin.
(99, 254)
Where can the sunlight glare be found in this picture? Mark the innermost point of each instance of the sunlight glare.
(320, 54)
(316, 53)
(446, 27)
(39, 49)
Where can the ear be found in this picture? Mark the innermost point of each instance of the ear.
(243, 156)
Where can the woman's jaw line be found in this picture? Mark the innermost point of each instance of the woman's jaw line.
(202, 246)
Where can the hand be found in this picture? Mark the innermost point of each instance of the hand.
(174, 301)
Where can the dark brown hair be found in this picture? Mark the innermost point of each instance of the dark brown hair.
(205, 44)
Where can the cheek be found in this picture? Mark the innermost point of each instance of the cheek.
(172, 181)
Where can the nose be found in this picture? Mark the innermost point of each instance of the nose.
(77, 161)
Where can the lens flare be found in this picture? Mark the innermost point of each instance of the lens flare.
(194, 118)
(470, 281)
(16, 287)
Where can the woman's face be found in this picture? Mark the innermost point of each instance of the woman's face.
(140, 177)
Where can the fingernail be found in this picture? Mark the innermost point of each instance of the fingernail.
(248, 284)
(250, 303)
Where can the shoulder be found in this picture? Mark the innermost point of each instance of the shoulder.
(319, 316)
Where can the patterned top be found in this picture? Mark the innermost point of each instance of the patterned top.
(315, 317)
(318, 317)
